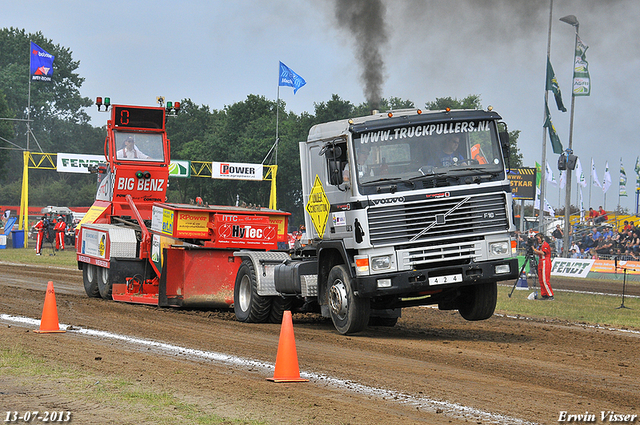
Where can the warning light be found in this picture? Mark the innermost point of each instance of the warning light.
(99, 103)
(143, 175)
(448, 109)
(172, 108)
(389, 114)
(419, 111)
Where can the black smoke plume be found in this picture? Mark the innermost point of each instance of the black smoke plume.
(364, 19)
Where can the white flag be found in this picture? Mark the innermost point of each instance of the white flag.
(581, 179)
(562, 181)
(547, 206)
(594, 175)
(550, 177)
(606, 184)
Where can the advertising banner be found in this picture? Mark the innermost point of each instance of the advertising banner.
(523, 183)
(571, 267)
(74, 163)
(236, 171)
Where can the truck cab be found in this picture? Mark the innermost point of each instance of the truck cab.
(408, 208)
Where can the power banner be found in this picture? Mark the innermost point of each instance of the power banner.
(523, 183)
(236, 171)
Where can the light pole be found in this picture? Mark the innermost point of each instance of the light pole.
(571, 20)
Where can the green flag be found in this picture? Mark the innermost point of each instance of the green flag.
(555, 140)
(552, 84)
(623, 180)
(581, 78)
(637, 168)
(538, 174)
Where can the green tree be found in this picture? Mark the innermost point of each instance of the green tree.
(6, 132)
(59, 122)
(470, 102)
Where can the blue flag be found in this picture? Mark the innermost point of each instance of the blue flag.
(41, 64)
(290, 79)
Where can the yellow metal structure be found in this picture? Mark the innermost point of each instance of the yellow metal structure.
(47, 161)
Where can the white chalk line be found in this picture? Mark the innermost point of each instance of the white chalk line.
(447, 408)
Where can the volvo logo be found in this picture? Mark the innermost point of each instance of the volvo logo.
(394, 200)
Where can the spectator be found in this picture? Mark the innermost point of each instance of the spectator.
(592, 215)
(558, 234)
(602, 214)
(604, 246)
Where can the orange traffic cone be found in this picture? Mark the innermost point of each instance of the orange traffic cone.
(287, 358)
(49, 321)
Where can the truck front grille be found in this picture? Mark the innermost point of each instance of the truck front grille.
(462, 219)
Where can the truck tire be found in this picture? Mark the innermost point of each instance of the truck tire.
(247, 304)
(278, 306)
(104, 284)
(388, 322)
(90, 280)
(478, 302)
(349, 313)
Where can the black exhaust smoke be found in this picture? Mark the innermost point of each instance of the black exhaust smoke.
(364, 19)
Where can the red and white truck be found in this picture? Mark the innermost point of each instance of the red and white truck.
(135, 247)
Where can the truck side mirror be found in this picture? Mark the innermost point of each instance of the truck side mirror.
(504, 144)
(334, 155)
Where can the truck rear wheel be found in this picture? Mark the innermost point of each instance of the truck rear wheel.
(104, 284)
(247, 304)
(478, 302)
(349, 312)
(90, 280)
(278, 306)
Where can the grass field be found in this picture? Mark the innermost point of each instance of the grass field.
(49, 257)
(582, 308)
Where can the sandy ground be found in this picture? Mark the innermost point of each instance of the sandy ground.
(433, 367)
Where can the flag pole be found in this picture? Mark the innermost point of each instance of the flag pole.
(544, 135)
(24, 201)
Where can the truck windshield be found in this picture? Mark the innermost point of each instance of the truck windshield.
(139, 146)
(410, 151)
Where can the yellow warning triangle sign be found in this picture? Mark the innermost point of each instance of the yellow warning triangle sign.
(318, 207)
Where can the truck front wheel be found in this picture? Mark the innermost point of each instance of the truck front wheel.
(349, 312)
(90, 280)
(247, 304)
(478, 302)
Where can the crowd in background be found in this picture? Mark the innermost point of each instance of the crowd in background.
(593, 239)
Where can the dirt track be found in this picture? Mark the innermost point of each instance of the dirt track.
(497, 371)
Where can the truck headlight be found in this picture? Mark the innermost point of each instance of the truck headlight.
(380, 263)
(499, 248)
(503, 269)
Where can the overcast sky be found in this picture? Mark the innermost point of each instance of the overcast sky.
(218, 52)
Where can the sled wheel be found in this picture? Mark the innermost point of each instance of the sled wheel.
(104, 284)
(90, 280)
